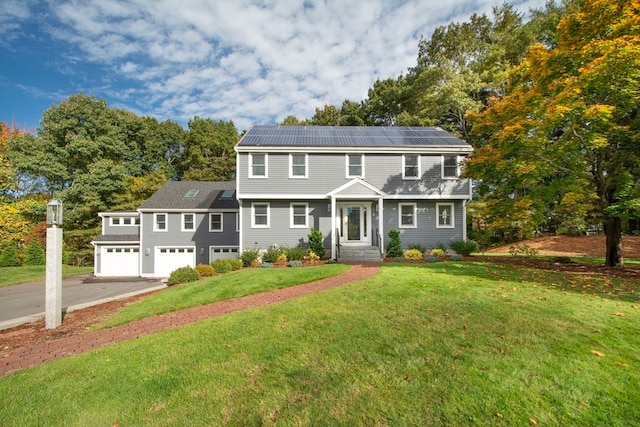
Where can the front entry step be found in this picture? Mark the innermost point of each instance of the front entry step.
(359, 254)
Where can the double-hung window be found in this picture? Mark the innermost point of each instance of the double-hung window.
(215, 222)
(188, 222)
(299, 215)
(298, 166)
(160, 222)
(444, 214)
(450, 167)
(410, 166)
(355, 165)
(260, 215)
(258, 165)
(407, 212)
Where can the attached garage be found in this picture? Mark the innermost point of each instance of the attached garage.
(169, 259)
(221, 252)
(119, 261)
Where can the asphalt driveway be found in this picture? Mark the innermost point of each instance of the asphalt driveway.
(26, 302)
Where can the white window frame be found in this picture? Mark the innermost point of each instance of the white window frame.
(292, 215)
(457, 175)
(133, 221)
(166, 222)
(453, 215)
(306, 166)
(266, 165)
(253, 214)
(347, 157)
(213, 230)
(414, 215)
(183, 222)
(404, 166)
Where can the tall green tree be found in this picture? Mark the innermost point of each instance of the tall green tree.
(571, 120)
(208, 150)
(462, 65)
(83, 153)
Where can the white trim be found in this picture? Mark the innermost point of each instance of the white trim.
(118, 213)
(282, 196)
(347, 156)
(306, 166)
(187, 210)
(442, 157)
(237, 221)
(426, 197)
(292, 215)
(240, 228)
(453, 216)
(414, 215)
(337, 191)
(266, 165)
(253, 215)
(211, 230)
(404, 167)
(182, 222)
(431, 149)
(166, 222)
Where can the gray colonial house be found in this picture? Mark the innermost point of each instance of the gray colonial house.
(352, 183)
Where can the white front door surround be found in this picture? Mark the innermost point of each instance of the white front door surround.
(353, 222)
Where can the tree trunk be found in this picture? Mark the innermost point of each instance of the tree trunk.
(613, 231)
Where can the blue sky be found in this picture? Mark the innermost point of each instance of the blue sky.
(246, 61)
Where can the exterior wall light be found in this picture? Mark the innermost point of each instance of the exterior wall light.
(54, 213)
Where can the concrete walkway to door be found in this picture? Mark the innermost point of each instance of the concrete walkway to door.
(29, 356)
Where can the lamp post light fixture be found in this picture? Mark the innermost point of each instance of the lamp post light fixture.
(53, 274)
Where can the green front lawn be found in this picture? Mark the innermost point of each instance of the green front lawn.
(432, 344)
(16, 275)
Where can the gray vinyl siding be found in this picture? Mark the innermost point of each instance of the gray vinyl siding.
(200, 238)
(426, 233)
(280, 232)
(119, 230)
(327, 172)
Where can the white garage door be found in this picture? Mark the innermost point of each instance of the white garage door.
(169, 259)
(119, 261)
(220, 252)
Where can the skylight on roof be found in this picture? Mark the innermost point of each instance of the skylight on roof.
(191, 194)
(227, 194)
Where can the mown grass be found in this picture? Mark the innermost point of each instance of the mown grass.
(439, 344)
(223, 287)
(16, 275)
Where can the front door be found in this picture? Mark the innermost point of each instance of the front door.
(354, 221)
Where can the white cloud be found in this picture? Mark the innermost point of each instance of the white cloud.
(253, 62)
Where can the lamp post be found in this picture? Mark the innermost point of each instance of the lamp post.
(53, 275)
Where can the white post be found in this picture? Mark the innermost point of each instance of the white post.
(381, 225)
(335, 237)
(53, 278)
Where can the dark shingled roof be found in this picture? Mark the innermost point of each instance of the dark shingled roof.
(209, 196)
(124, 238)
(349, 136)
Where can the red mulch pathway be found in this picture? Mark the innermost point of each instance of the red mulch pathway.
(24, 357)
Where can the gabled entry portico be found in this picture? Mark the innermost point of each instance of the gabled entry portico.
(352, 206)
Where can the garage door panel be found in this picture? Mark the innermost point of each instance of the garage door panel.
(170, 259)
(119, 261)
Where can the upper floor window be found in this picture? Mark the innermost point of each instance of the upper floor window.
(124, 221)
(410, 166)
(450, 167)
(355, 165)
(297, 166)
(160, 222)
(188, 222)
(407, 215)
(258, 165)
(260, 215)
(444, 213)
(215, 222)
(299, 215)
